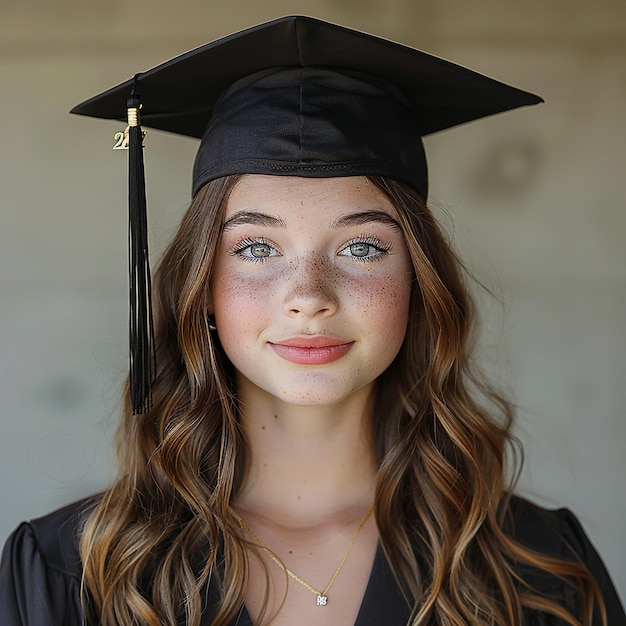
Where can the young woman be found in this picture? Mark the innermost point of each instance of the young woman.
(315, 446)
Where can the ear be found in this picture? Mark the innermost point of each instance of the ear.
(210, 314)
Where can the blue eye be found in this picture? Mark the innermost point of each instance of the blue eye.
(260, 250)
(254, 250)
(364, 249)
(360, 249)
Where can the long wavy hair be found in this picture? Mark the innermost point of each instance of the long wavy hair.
(152, 542)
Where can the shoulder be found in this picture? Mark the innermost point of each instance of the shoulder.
(55, 537)
(558, 533)
(553, 532)
(40, 571)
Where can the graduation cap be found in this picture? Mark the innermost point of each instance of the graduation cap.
(296, 96)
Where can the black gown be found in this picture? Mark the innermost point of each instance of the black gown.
(40, 572)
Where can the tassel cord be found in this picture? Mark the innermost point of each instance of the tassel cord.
(141, 325)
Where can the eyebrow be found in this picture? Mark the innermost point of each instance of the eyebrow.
(252, 217)
(365, 217)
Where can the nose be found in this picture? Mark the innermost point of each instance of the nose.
(311, 290)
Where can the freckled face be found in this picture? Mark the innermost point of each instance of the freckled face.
(311, 287)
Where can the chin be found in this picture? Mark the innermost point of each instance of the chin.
(311, 399)
(306, 389)
(321, 394)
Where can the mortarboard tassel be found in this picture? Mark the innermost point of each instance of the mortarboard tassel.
(142, 350)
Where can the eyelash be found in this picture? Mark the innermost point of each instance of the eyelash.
(245, 244)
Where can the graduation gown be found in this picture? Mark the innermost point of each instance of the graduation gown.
(40, 572)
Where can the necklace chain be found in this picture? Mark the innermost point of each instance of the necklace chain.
(322, 597)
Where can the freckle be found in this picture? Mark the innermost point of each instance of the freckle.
(264, 464)
(262, 427)
(299, 497)
(290, 551)
(275, 417)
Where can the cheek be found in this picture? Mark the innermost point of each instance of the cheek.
(384, 302)
(238, 300)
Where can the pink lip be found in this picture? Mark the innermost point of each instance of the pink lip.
(314, 350)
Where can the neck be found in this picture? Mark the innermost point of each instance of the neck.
(307, 464)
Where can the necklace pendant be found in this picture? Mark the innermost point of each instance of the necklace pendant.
(321, 600)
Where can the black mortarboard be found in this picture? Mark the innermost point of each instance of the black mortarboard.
(296, 96)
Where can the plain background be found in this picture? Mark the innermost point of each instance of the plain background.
(536, 199)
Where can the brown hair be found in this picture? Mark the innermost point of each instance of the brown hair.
(155, 538)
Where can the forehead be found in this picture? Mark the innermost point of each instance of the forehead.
(306, 198)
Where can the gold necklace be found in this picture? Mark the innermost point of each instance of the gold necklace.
(322, 597)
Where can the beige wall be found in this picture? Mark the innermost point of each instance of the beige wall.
(537, 199)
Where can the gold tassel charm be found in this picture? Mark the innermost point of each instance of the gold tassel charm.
(122, 139)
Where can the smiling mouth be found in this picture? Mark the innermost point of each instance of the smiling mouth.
(312, 350)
